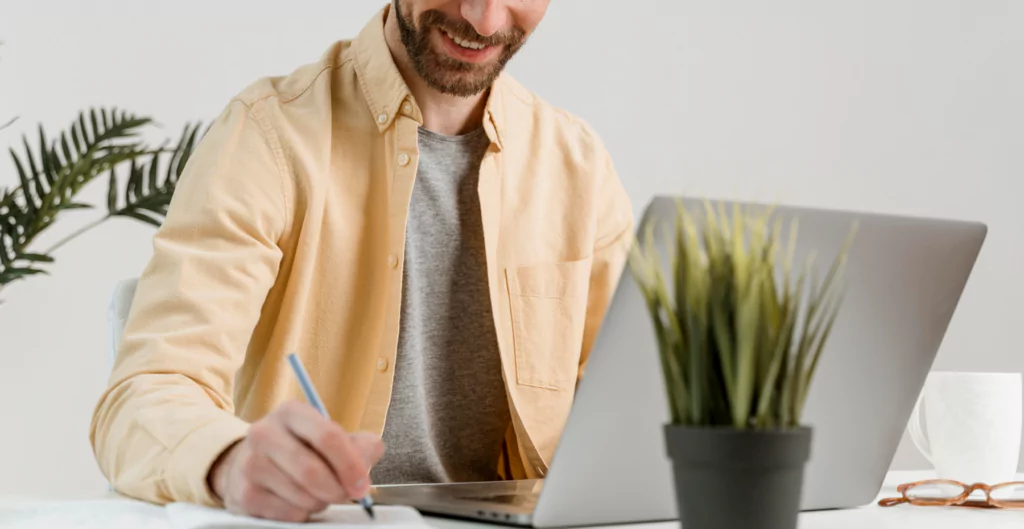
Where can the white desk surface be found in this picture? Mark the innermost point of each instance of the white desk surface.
(112, 511)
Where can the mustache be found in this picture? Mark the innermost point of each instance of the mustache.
(464, 30)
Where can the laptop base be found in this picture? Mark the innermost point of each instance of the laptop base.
(501, 502)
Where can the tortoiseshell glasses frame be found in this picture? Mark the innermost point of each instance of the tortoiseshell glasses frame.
(961, 498)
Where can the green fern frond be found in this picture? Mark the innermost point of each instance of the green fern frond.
(151, 180)
(51, 174)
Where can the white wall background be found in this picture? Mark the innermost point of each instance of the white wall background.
(902, 106)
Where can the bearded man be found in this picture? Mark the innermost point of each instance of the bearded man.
(436, 243)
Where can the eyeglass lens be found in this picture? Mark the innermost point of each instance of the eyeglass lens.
(1007, 494)
(935, 491)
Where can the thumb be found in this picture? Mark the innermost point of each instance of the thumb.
(369, 446)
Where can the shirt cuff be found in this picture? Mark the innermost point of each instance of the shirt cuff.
(195, 455)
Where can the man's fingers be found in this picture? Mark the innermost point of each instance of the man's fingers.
(334, 444)
(254, 500)
(263, 471)
(368, 445)
(298, 463)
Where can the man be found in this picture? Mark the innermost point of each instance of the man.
(447, 320)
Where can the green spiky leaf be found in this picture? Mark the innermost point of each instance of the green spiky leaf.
(739, 341)
(53, 172)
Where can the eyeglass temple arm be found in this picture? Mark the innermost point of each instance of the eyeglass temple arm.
(889, 502)
(902, 489)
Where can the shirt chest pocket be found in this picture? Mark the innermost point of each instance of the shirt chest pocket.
(548, 305)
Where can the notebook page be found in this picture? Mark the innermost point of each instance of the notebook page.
(83, 514)
(191, 516)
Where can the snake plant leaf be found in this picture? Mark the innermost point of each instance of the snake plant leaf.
(769, 390)
(644, 267)
(803, 345)
(819, 344)
(722, 328)
(791, 368)
(739, 341)
(746, 347)
(680, 260)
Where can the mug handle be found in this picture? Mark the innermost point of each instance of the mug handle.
(918, 431)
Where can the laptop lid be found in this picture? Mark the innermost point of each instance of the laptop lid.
(905, 277)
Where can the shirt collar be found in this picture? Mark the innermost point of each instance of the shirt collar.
(385, 90)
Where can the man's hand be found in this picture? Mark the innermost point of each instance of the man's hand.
(294, 462)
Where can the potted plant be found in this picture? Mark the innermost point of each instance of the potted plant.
(739, 336)
(101, 144)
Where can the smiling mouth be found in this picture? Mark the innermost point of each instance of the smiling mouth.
(464, 43)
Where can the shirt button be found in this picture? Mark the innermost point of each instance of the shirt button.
(407, 108)
(382, 364)
(382, 117)
(403, 159)
(393, 261)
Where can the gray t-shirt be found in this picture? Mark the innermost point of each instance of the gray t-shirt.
(448, 412)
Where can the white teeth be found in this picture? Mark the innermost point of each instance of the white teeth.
(465, 43)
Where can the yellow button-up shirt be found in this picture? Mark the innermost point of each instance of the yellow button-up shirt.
(286, 234)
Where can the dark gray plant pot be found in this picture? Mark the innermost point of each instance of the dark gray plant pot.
(738, 479)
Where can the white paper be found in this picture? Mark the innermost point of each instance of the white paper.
(87, 514)
(191, 516)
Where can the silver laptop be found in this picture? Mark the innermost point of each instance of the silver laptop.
(905, 277)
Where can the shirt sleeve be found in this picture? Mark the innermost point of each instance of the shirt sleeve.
(614, 238)
(167, 413)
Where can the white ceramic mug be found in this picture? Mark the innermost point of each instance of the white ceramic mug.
(969, 425)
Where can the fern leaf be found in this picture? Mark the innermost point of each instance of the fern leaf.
(16, 273)
(36, 258)
(148, 189)
(52, 173)
(144, 216)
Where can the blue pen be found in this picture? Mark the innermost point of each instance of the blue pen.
(314, 399)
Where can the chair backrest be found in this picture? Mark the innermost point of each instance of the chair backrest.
(120, 305)
(117, 315)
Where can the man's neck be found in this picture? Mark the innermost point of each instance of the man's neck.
(442, 113)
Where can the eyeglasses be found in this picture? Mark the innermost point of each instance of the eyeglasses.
(944, 492)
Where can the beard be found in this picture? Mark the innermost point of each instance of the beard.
(447, 74)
